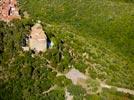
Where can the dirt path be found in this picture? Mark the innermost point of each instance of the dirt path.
(124, 90)
(54, 70)
(50, 89)
(68, 96)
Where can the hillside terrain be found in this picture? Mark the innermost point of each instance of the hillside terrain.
(96, 37)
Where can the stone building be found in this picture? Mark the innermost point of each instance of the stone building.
(37, 39)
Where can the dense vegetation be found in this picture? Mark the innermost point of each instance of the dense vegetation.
(101, 29)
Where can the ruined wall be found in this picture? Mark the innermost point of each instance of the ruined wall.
(9, 10)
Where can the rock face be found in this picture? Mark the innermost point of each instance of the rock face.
(9, 10)
(38, 39)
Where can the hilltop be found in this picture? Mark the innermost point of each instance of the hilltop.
(95, 37)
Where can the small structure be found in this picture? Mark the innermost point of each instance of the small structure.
(37, 38)
(9, 10)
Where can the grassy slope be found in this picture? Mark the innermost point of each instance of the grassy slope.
(109, 21)
(106, 28)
